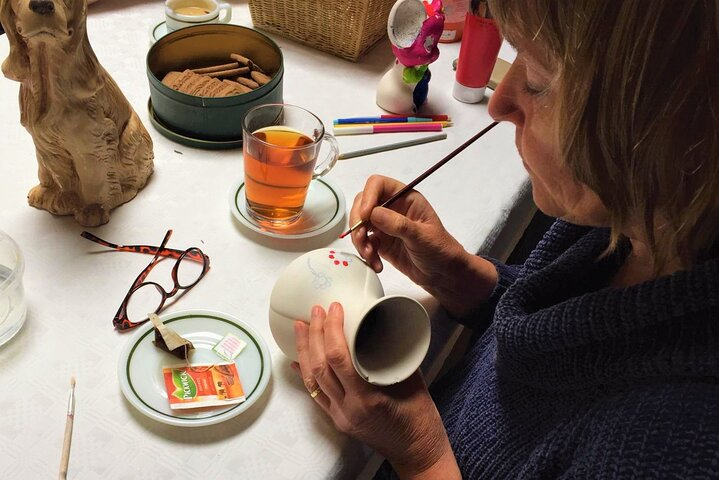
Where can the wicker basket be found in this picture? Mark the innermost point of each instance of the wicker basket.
(346, 28)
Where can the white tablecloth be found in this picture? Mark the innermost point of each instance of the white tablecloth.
(73, 294)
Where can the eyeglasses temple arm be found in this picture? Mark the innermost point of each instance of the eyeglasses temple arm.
(146, 249)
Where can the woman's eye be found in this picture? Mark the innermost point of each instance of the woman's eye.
(532, 90)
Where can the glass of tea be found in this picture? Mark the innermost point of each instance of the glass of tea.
(281, 146)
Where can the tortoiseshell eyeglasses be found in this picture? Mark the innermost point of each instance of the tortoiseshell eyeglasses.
(144, 297)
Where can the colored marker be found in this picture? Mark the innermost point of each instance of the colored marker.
(370, 129)
(342, 121)
(349, 125)
(433, 117)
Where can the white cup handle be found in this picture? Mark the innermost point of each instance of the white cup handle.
(228, 12)
(331, 158)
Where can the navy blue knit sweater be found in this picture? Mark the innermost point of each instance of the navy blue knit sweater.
(574, 379)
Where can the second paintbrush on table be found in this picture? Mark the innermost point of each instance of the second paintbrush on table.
(392, 146)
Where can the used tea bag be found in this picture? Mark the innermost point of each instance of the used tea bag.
(168, 340)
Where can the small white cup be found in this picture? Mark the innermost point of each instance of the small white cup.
(187, 13)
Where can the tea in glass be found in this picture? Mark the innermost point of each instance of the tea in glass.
(281, 144)
(277, 178)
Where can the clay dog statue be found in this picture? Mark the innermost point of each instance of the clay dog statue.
(92, 150)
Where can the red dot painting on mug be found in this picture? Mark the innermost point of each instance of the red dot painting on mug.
(346, 258)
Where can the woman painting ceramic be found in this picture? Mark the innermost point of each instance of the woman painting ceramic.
(599, 357)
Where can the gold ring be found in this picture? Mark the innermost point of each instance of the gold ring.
(315, 392)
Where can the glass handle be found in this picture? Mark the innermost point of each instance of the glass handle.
(331, 158)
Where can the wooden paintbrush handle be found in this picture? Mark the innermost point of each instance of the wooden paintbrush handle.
(65, 459)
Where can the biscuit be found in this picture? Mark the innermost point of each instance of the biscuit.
(199, 86)
(170, 78)
(247, 82)
(228, 88)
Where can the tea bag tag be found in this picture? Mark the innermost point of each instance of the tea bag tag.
(169, 340)
(229, 347)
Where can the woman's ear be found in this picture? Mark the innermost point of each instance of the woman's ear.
(17, 65)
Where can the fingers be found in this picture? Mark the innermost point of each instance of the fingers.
(370, 250)
(302, 367)
(319, 363)
(337, 353)
(324, 358)
(359, 236)
(377, 189)
(302, 342)
(394, 224)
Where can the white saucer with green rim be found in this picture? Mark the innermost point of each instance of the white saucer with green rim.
(157, 32)
(324, 208)
(141, 363)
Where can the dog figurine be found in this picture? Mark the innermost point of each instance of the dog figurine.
(92, 150)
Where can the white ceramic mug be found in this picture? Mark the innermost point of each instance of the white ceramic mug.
(187, 13)
(388, 336)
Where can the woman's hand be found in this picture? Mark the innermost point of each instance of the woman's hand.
(400, 421)
(412, 238)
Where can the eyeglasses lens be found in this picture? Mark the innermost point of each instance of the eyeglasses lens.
(189, 271)
(143, 301)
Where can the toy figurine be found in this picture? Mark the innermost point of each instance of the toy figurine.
(414, 28)
(93, 152)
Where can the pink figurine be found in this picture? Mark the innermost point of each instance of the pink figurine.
(414, 28)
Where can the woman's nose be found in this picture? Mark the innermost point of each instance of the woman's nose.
(504, 104)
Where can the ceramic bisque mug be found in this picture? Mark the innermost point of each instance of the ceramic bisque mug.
(281, 146)
(187, 13)
(388, 335)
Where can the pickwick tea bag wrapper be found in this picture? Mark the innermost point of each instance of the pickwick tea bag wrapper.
(206, 385)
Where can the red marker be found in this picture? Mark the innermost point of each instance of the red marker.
(379, 128)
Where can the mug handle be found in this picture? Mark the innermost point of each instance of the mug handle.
(331, 158)
(228, 12)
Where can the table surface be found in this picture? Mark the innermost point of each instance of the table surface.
(72, 293)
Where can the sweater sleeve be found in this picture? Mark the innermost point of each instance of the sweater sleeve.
(480, 318)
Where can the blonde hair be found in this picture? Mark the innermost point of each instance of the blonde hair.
(638, 110)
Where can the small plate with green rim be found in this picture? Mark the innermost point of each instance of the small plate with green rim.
(141, 363)
(157, 32)
(324, 209)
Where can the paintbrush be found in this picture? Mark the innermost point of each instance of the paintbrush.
(65, 459)
(426, 174)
